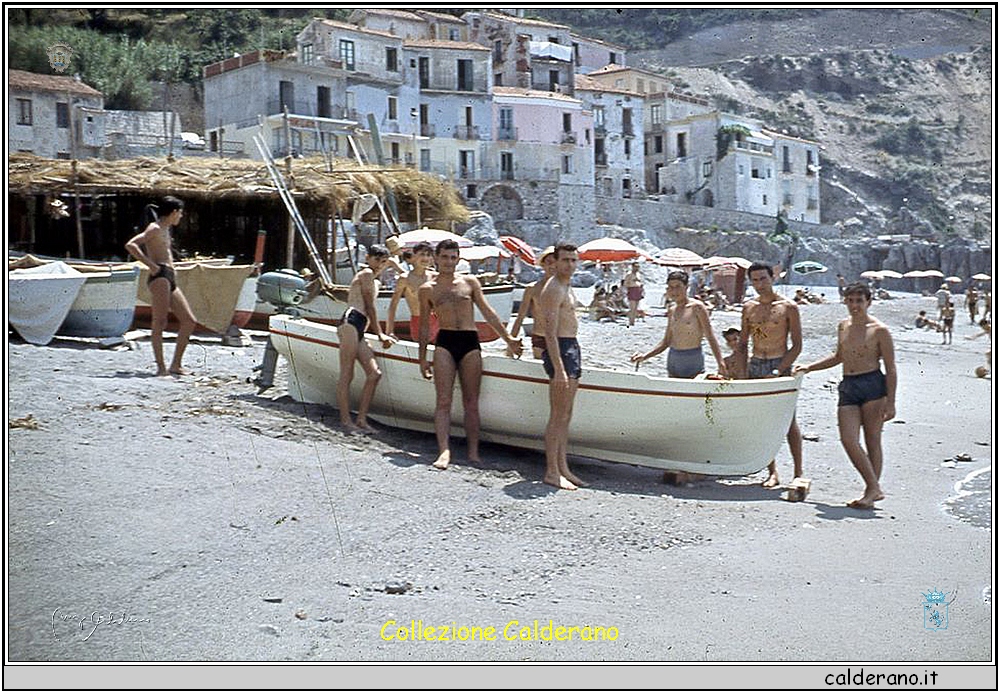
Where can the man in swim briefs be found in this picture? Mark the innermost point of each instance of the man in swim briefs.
(771, 322)
(361, 314)
(867, 396)
(633, 291)
(563, 364)
(407, 287)
(529, 303)
(687, 325)
(453, 298)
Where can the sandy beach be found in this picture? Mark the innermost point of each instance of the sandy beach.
(161, 519)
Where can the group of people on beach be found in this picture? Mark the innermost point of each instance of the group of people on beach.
(442, 302)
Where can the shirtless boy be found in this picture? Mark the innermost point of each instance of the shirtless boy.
(634, 291)
(407, 287)
(453, 297)
(562, 362)
(687, 326)
(947, 322)
(529, 303)
(152, 248)
(360, 315)
(867, 395)
(735, 367)
(771, 321)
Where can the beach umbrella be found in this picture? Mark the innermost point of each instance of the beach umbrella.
(432, 236)
(809, 267)
(609, 250)
(981, 277)
(871, 274)
(723, 261)
(519, 248)
(679, 257)
(914, 274)
(891, 274)
(953, 280)
(934, 273)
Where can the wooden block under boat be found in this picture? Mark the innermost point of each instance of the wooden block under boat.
(799, 490)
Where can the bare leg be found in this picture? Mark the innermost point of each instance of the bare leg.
(556, 433)
(772, 475)
(470, 374)
(159, 290)
(563, 463)
(871, 422)
(794, 438)
(849, 422)
(444, 388)
(179, 304)
(366, 357)
(348, 352)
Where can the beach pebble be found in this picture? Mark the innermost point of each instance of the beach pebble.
(398, 586)
(963, 457)
(269, 629)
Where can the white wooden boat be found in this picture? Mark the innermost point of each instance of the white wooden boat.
(105, 305)
(719, 427)
(39, 298)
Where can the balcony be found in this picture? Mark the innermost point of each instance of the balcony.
(466, 132)
(600, 129)
(390, 126)
(601, 159)
(568, 138)
(628, 130)
(507, 134)
(427, 129)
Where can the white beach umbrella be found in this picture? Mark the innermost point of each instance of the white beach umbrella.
(981, 277)
(482, 252)
(432, 236)
(934, 273)
(891, 274)
(679, 257)
(871, 274)
(953, 280)
(914, 274)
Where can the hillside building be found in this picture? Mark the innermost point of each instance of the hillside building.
(53, 116)
(618, 117)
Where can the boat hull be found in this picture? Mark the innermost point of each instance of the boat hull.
(105, 305)
(727, 427)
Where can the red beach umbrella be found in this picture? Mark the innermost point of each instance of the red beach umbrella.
(679, 257)
(519, 248)
(610, 250)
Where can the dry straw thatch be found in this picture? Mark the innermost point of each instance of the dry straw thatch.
(316, 189)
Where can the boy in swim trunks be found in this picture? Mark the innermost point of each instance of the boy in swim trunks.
(453, 297)
(562, 363)
(867, 396)
(772, 321)
(734, 368)
(634, 292)
(152, 247)
(687, 325)
(361, 314)
(529, 303)
(947, 322)
(407, 288)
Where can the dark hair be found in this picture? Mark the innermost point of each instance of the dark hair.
(446, 244)
(423, 247)
(760, 266)
(378, 250)
(167, 205)
(858, 288)
(679, 275)
(568, 247)
(729, 331)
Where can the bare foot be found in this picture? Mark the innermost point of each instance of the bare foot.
(861, 504)
(476, 459)
(349, 425)
(771, 481)
(560, 482)
(179, 371)
(573, 478)
(364, 426)
(443, 460)
(162, 372)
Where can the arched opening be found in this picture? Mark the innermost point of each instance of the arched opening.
(503, 203)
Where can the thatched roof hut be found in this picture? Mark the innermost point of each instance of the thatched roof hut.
(226, 198)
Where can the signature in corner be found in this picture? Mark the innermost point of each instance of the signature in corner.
(93, 620)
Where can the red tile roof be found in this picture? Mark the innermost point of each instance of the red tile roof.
(33, 81)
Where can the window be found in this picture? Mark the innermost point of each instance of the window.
(640, 86)
(626, 121)
(567, 119)
(576, 53)
(507, 165)
(655, 114)
(62, 114)
(425, 73)
(742, 172)
(323, 102)
(786, 161)
(764, 201)
(598, 117)
(755, 170)
(658, 144)
(391, 60)
(465, 75)
(308, 56)
(470, 192)
(425, 159)
(24, 111)
(600, 155)
(394, 152)
(613, 58)
(468, 116)
(810, 167)
(553, 80)
(706, 169)
(682, 149)
(454, 34)
(628, 148)
(393, 108)
(567, 163)
(347, 54)
(498, 79)
(466, 163)
(497, 51)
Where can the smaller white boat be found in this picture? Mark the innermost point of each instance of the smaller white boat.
(719, 427)
(39, 299)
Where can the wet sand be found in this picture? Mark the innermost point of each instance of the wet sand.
(204, 522)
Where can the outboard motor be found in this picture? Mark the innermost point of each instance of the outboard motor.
(284, 289)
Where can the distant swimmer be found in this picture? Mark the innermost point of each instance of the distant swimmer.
(687, 326)
(867, 396)
(456, 349)
(154, 248)
(408, 285)
(359, 316)
(772, 323)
